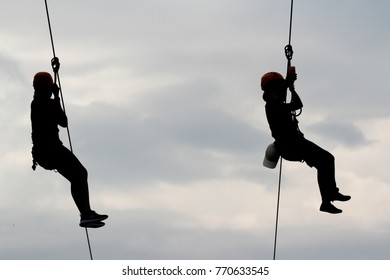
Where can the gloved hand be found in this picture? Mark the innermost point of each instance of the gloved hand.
(291, 77)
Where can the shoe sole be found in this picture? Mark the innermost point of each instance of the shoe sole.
(331, 212)
(86, 221)
(89, 221)
(92, 225)
(342, 200)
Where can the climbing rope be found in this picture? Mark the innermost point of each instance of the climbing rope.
(289, 53)
(277, 208)
(55, 63)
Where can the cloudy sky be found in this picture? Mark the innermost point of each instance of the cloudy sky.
(166, 113)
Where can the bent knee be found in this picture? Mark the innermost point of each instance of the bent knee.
(83, 173)
(329, 157)
(79, 174)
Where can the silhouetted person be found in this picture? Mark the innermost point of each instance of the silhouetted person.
(289, 140)
(48, 151)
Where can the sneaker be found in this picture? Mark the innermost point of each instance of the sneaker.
(326, 206)
(94, 225)
(91, 218)
(341, 197)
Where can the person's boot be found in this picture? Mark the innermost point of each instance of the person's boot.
(92, 219)
(326, 206)
(341, 197)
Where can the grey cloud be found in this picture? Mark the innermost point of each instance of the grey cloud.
(192, 128)
(342, 133)
(177, 140)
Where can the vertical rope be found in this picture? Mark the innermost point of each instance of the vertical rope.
(89, 244)
(291, 16)
(57, 78)
(289, 52)
(277, 207)
(51, 34)
(56, 74)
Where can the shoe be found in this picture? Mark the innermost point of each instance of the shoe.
(341, 197)
(326, 206)
(91, 218)
(94, 225)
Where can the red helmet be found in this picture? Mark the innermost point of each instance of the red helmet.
(270, 79)
(42, 80)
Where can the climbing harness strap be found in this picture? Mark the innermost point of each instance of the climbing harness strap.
(55, 63)
(34, 166)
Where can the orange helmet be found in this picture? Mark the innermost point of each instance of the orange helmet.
(42, 80)
(270, 79)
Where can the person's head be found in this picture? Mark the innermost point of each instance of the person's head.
(274, 86)
(43, 83)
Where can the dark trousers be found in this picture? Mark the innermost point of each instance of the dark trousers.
(66, 163)
(313, 155)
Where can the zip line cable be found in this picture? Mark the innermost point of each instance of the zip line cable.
(289, 53)
(56, 67)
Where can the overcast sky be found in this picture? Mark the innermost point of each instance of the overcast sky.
(165, 112)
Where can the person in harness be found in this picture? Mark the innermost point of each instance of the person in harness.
(48, 150)
(290, 142)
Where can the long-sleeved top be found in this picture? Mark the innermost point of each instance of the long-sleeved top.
(46, 115)
(282, 121)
